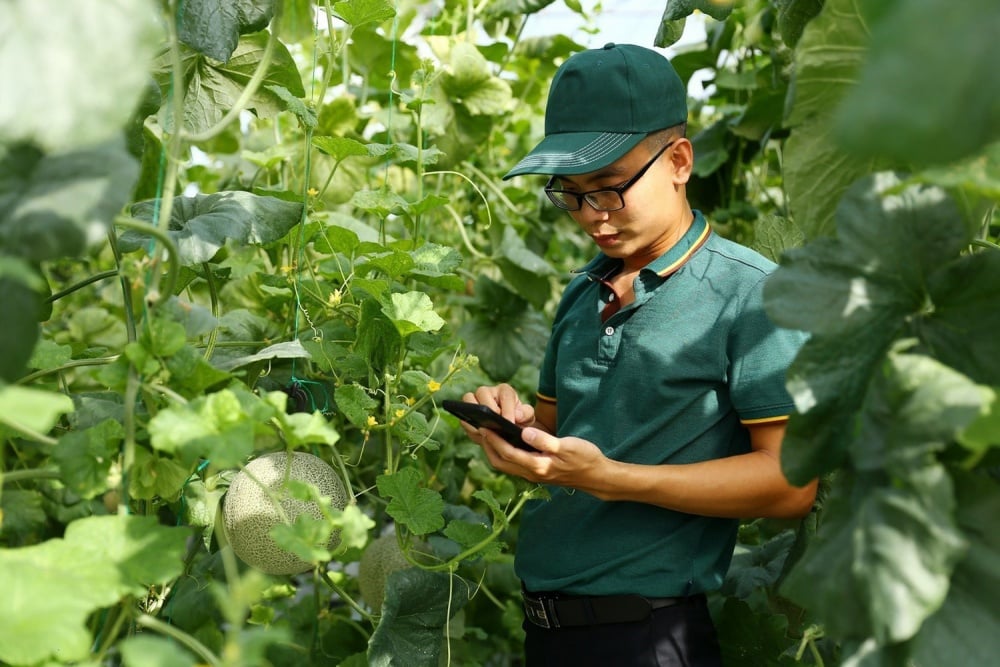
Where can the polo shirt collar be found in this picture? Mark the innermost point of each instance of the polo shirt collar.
(667, 263)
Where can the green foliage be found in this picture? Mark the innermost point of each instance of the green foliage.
(311, 245)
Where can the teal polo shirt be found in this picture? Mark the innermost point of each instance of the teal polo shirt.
(670, 378)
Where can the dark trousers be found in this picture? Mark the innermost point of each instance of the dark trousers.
(681, 635)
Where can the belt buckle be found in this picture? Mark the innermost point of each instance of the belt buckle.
(536, 612)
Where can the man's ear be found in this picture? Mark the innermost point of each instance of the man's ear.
(682, 159)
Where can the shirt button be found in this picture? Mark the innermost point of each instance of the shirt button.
(609, 331)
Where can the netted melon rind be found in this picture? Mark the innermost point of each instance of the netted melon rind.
(381, 558)
(249, 513)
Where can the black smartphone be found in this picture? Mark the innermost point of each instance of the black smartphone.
(481, 416)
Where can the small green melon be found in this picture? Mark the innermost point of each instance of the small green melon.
(381, 558)
(250, 514)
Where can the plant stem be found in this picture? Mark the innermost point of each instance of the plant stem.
(76, 363)
(110, 273)
(147, 621)
(325, 576)
(32, 473)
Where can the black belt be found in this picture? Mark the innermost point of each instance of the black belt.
(559, 611)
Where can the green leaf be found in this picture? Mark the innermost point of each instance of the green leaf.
(154, 476)
(717, 9)
(503, 330)
(340, 148)
(758, 566)
(48, 354)
(201, 225)
(416, 608)
(20, 310)
(793, 15)
(213, 27)
(470, 534)
(963, 631)
(305, 115)
(50, 589)
(148, 651)
(355, 403)
(882, 559)
(890, 112)
(412, 312)
(85, 457)
(307, 538)
(33, 409)
(359, 12)
(773, 235)
(379, 341)
(983, 432)
(856, 293)
(21, 514)
(292, 349)
(817, 172)
(211, 427)
(827, 60)
(379, 202)
(66, 84)
(306, 428)
(59, 204)
(915, 407)
(211, 89)
(961, 328)
(748, 638)
(418, 508)
(470, 83)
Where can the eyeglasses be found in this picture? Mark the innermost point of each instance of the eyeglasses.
(603, 199)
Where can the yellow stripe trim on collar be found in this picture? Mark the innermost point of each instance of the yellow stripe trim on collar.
(680, 261)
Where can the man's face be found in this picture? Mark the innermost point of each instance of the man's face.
(656, 213)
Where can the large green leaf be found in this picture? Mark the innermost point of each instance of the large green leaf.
(965, 630)
(882, 559)
(212, 427)
(503, 330)
(201, 225)
(416, 610)
(914, 409)
(60, 204)
(470, 83)
(412, 505)
(961, 329)
(66, 83)
(32, 409)
(213, 27)
(51, 588)
(827, 60)
(212, 88)
(899, 109)
(359, 12)
(855, 293)
(817, 171)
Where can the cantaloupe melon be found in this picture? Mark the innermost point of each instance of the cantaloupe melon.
(380, 559)
(249, 512)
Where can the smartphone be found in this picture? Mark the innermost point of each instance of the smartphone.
(481, 416)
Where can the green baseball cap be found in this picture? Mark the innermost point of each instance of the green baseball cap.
(602, 103)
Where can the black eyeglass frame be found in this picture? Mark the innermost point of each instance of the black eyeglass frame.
(554, 193)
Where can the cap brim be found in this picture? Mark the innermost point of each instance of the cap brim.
(572, 153)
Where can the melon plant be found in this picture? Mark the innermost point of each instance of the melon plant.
(258, 500)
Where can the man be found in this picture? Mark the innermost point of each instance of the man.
(661, 400)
